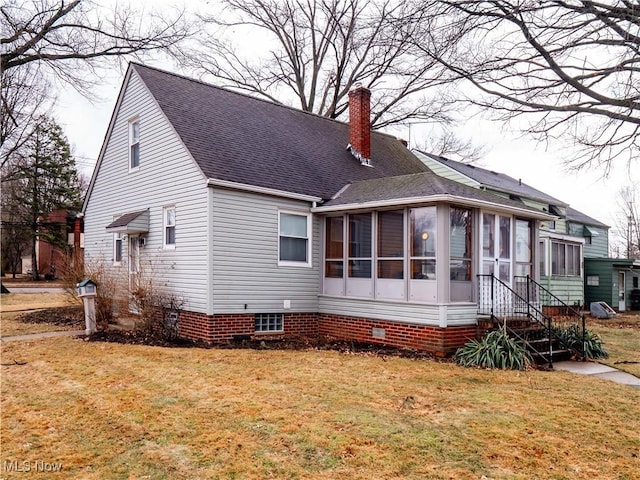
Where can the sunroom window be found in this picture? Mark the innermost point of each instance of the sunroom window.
(391, 244)
(422, 229)
(460, 238)
(334, 248)
(360, 245)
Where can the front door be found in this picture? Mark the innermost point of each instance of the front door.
(621, 292)
(134, 268)
(496, 246)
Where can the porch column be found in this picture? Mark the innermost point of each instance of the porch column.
(442, 254)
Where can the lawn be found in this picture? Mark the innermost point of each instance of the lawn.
(621, 337)
(122, 411)
(13, 306)
(14, 302)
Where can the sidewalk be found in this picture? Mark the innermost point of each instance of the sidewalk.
(35, 336)
(598, 370)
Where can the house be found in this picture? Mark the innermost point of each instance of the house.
(270, 221)
(564, 242)
(60, 245)
(612, 280)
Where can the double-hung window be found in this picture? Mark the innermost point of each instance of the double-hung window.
(294, 239)
(134, 144)
(169, 227)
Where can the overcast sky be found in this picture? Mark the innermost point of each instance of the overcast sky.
(85, 124)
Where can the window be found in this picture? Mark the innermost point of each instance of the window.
(134, 144)
(542, 254)
(593, 280)
(360, 245)
(460, 244)
(269, 322)
(588, 240)
(423, 242)
(523, 247)
(565, 259)
(635, 282)
(391, 244)
(117, 248)
(334, 247)
(169, 227)
(294, 245)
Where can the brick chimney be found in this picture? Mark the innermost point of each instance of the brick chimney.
(360, 123)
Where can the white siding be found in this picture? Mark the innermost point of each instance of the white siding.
(167, 176)
(436, 315)
(246, 274)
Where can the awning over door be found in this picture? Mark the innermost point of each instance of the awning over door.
(134, 222)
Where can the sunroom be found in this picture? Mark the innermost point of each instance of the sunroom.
(410, 248)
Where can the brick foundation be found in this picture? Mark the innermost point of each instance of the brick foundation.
(427, 338)
(223, 328)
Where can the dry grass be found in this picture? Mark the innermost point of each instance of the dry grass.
(621, 337)
(121, 411)
(10, 324)
(14, 302)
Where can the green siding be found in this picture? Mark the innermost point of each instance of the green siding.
(446, 172)
(567, 289)
(607, 269)
(599, 246)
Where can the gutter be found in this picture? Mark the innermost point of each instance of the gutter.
(434, 198)
(215, 182)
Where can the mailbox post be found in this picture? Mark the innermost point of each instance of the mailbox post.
(87, 292)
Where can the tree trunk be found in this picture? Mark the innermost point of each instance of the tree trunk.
(34, 259)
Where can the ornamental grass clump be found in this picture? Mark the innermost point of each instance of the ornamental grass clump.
(494, 350)
(571, 337)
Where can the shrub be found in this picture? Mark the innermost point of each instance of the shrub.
(494, 350)
(571, 337)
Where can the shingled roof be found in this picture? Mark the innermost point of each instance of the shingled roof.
(238, 138)
(419, 186)
(498, 181)
(574, 215)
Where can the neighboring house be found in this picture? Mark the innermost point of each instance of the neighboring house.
(606, 279)
(272, 221)
(564, 242)
(53, 257)
(612, 280)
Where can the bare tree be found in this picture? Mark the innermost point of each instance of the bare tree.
(569, 66)
(24, 99)
(45, 41)
(627, 227)
(314, 52)
(448, 144)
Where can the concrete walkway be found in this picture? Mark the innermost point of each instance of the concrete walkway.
(35, 336)
(598, 370)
